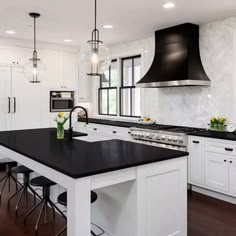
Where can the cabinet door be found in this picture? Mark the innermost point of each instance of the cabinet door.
(7, 55)
(84, 85)
(217, 171)
(27, 105)
(55, 69)
(5, 96)
(69, 71)
(232, 176)
(196, 160)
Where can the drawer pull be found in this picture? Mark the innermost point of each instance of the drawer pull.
(95, 129)
(114, 132)
(224, 160)
(229, 149)
(230, 162)
(195, 141)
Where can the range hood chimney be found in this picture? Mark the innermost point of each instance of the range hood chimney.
(177, 59)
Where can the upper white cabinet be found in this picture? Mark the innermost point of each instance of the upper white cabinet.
(196, 160)
(70, 73)
(61, 70)
(84, 85)
(17, 56)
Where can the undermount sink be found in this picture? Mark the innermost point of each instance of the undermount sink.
(76, 134)
(92, 138)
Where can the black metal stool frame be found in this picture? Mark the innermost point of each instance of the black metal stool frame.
(24, 188)
(8, 176)
(45, 201)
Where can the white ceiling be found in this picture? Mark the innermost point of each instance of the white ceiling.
(132, 19)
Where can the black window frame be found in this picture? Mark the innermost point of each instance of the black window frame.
(100, 89)
(127, 87)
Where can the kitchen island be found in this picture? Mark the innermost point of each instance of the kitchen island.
(159, 178)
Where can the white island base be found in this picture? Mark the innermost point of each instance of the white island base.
(147, 200)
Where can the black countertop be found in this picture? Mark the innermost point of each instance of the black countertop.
(124, 124)
(215, 134)
(79, 158)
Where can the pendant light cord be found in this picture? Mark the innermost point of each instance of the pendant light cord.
(34, 34)
(95, 23)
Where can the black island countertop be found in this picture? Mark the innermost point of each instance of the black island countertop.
(215, 134)
(78, 158)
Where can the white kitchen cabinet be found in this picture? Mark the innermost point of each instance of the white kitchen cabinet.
(196, 160)
(17, 56)
(232, 176)
(217, 171)
(7, 55)
(27, 102)
(5, 98)
(84, 85)
(69, 71)
(61, 70)
(20, 101)
(54, 69)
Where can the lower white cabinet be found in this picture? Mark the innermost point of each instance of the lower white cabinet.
(217, 171)
(232, 176)
(196, 160)
(212, 164)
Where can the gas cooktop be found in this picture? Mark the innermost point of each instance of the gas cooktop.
(172, 128)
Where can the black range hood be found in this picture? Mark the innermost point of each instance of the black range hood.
(177, 59)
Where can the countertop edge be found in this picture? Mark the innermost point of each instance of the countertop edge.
(181, 154)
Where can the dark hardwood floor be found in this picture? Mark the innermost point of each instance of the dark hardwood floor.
(206, 217)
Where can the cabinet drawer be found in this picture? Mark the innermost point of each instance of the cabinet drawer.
(222, 148)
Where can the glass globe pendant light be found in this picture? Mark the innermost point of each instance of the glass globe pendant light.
(34, 69)
(95, 56)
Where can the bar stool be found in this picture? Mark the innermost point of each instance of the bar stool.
(24, 188)
(62, 199)
(45, 201)
(8, 176)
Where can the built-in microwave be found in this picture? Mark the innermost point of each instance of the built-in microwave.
(61, 101)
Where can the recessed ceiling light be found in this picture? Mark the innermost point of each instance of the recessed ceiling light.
(10, 32)
(108, 26)
(67, 40)
(169, 5)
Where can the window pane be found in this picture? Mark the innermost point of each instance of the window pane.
(127, 72)
(105, 79)
(136, 102)
(112, 102)
(137, 69)
(114, 74)
(125, 102)
(103, 101)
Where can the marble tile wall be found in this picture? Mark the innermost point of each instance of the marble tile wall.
(193, 106)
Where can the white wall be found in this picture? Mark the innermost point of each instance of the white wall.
(192, 106)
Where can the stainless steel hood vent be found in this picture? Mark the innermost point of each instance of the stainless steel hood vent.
(177, 59)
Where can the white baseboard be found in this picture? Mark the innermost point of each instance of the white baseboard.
(213, 194)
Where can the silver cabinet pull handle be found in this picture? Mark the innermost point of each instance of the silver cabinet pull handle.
(14, 98)
(9, 105)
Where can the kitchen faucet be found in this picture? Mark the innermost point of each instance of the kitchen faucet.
(70, 130)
